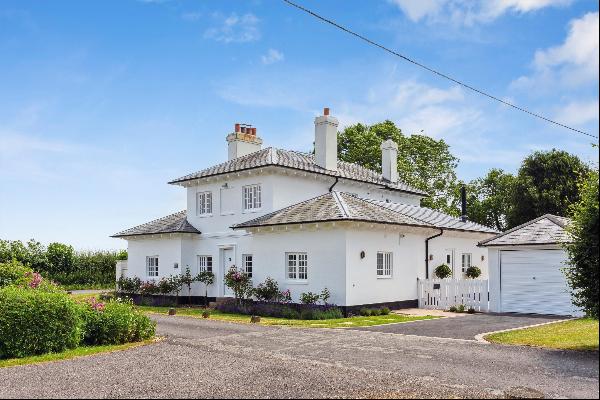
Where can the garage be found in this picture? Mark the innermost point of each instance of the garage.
(526, 265)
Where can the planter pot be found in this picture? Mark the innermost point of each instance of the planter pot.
(172, 311)
(255, 319)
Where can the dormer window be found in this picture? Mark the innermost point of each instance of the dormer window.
(252, 197)
(204, 203)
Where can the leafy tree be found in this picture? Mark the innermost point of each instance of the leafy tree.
(547, 182)
(177, 285)
(489, 199)
(207, 278)
(188, 279)
(60, 258)
(583, 275)
(423, 162)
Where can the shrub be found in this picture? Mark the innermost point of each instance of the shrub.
(443, 271)
(114, 322)
(148, 288)
(317, 314)
(289, 313)
(309, 298)
(35, 322)
(206, 314)
(460, 308)
(473, 272)
(325, 295)
(239, 282)
(452, 309)
(365, 312)
(375, 312)
(385, 311)
(471, 310)
(129, 285)
(267, 291)
(13, 273)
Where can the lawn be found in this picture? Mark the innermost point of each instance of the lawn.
(352, 322)
(579, 334)
(65, 355)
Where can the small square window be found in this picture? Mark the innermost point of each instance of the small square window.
(205, 263)
(297, 266)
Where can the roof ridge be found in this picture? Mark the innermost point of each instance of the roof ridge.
(516, 228)
(341, 202)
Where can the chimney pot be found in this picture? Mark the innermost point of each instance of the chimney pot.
(237, 128)
(243, 128)
(326, 111)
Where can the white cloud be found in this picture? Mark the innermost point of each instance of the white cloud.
(571, 64)
(234, 29)
(469, 12)
(272, 57)
(579, 112)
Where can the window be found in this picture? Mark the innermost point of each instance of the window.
(466, 261)
(152, 266)
(204, 203)
(205, 263)
(384, 264)
(252, 197)
(247, 262)
(297, 266)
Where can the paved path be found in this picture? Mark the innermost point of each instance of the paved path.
(203, 358)
(464, 327)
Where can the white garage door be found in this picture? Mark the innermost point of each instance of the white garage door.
(531, 281)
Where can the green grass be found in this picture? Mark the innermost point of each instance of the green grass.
(65, 355)
(579, 334)
(327, 323)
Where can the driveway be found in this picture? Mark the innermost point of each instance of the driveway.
(203, 358)
(466, 326)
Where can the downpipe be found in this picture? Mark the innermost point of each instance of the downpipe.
(427, 252)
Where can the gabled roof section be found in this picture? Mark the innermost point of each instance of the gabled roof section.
(434, 217)
(174, 223)
(547, 229)
(299, 161)
(334, 206)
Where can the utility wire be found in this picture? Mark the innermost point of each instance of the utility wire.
(441, 74)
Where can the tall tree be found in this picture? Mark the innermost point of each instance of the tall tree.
(423, 162)
(583, 274)
(547, 182)
(489, 199)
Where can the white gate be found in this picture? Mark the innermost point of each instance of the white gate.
(441, 294)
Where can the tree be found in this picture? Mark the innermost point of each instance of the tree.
(60, 258)
(547, 182)
(489, 199)
(239, 282)
(582, 273)
(423, 162)
(177, 285)
(207, 278)
(187, 279)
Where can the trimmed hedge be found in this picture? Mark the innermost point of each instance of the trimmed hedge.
(281, 310)
(114, 322)
(34, 322)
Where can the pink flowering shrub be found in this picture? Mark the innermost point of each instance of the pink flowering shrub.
(239, 282)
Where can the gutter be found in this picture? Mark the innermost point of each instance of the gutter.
(427, 252)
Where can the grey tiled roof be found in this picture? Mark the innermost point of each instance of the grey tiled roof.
(174, 223)
(338, 206)
(434, 217)
(547, 229)
(297, 160)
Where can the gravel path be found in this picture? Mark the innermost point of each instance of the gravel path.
(203, 358)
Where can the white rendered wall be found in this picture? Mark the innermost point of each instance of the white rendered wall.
(167, 249)
(460, 243)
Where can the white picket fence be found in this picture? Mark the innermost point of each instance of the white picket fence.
(441, 294)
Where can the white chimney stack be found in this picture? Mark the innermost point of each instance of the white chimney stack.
(242, 141)
(389, 160)
(326, 141)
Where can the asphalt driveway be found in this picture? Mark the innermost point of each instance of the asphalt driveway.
(463, 327)
(203, 358)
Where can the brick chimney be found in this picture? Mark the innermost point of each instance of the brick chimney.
(389, 160)
(326, 141)
(243, 141)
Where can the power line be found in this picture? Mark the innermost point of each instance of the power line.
(441, 74)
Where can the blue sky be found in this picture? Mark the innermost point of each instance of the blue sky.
(103, 102)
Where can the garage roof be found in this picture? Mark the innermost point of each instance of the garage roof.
(547, 229)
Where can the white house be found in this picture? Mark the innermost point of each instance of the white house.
(308, 221)
(526, 268)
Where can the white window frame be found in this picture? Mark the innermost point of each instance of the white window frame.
(296, 266)
(205, 263)
(152, 266)
(252, 197)
(464, 265)
(248, 264)
(204, 203)
(385, 264)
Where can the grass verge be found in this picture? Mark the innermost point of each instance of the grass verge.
(353, 322)
(578, 334)
(74, 353)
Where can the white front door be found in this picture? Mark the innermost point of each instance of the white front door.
(450, 261)
(227, 262)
